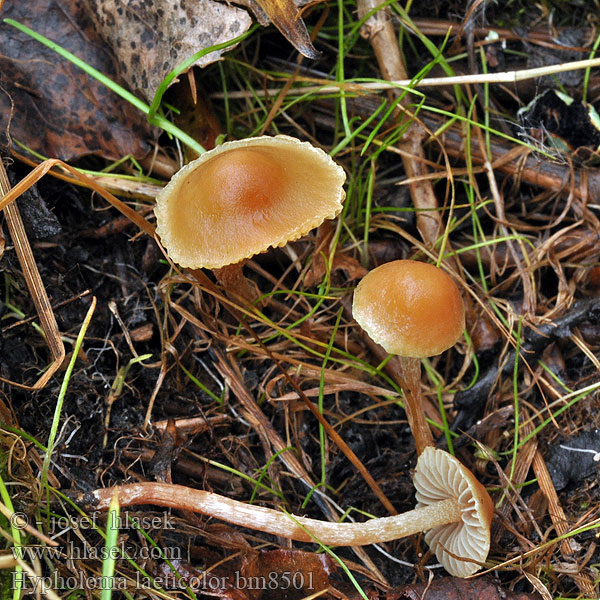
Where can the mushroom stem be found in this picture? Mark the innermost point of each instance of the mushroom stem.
(233, 280)
(383, 529)
(413, 405)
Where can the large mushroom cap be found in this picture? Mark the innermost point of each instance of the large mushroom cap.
(411, 308)
(440, 476)
(244, 197)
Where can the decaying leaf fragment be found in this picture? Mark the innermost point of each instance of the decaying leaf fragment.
(285, 15)
(52, 106)
(254, 575)
(455, 588)
(151, 38)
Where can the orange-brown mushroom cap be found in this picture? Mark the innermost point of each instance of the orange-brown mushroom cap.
(244, 197)
(440, 476)
(411, 308)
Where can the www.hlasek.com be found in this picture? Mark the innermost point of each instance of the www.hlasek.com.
(73, 551)
(275, 580)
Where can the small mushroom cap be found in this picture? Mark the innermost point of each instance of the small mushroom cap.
(440, 476)
(244, 197)
(411, 308)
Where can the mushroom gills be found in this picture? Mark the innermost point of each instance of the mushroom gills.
(462, 546)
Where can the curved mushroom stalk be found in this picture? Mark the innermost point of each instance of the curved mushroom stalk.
(413, 402)
(232, 278)
(452, 505)
(414, 310)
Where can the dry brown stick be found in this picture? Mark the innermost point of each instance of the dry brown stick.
(379, 29)
(34, 284)
(543, 38)
(191, 425)
(507, 157)
(559, 519)
(533, 169)
(557, 514)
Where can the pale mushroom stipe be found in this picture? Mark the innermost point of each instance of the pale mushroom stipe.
(414, 310)
(453, 507)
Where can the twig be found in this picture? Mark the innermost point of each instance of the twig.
(378, 28)
(34, 284)
(438, 27)
(506, 157)
(329, 87)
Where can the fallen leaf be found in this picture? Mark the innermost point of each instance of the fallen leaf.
(285, 15)
(50, 105)
(454, 588)
(150, 39)
(264, 575)
(341, 262)
(283, 574)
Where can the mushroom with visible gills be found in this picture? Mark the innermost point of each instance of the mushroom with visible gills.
(245, 197)
(414, 310)
(453, 507)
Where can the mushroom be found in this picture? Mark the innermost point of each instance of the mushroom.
(453, 507)
(440, 476)
(245, 197)
(414, 310)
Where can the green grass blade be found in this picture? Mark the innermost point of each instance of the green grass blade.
(516, 401)
(62, 393)
(186, 64)
(111, 548)
(334, 556)
(15, 532)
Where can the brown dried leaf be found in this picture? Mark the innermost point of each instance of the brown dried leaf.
(52, 106)
(150, 39)
(285, 15)
(292, 574)
(454, 588)
(264, 575)
(343, 262)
